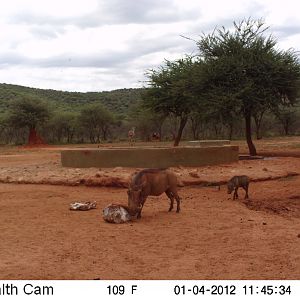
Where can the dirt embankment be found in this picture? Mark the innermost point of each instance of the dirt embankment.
(45, 168)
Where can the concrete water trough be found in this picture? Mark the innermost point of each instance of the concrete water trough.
(149, 157)
(208, 143)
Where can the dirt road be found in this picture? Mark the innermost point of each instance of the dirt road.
(212, 238)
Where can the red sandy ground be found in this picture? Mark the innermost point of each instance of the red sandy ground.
(213, 237)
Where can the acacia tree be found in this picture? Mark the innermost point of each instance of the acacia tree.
(145, 120)
(97, 120)
(246, 67)
(172, 92)
(62, 126)
(287, 117)
(258, 115)
(29, 112)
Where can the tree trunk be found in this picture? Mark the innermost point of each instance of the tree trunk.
(92, 139)
(286, 127)
(258, 121)
(105, 132)
(258, 135)
(194, 125)
(195, 131)
(252, 149)
(182, 124)
(160, 131)
(230, 131)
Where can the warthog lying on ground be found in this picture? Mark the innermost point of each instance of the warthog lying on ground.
(238, 181)
(151, 182)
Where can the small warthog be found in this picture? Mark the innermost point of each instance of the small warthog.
(238, 181)
(151, 182)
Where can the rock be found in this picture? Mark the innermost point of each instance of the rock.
(177, 173)
(99, 174)
(194, 174)
(116, 169)
(115, 213)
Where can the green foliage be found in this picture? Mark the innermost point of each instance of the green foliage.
(287, 116)
(62, 125)
(97, 120)
(245, 66)
(117, 101)
(146, 120)
(173, 90)
(246, 73)
(28, 112)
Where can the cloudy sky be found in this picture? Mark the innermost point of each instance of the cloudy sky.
(96, 45)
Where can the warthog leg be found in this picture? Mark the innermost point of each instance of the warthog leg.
(171, 197)
(178, 203)
(246, 190)
(143, 200)
(235, 195)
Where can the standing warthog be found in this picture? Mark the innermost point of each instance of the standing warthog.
(151, 182)
(238, 181)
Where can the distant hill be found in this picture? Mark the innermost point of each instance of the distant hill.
(117, 101)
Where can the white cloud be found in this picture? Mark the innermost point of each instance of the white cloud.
(85, 45)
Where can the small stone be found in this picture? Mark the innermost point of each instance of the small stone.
(264, 223)
(117, 169)
(194, 174)
(99, 174)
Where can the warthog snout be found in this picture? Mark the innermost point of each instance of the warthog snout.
(134, 203)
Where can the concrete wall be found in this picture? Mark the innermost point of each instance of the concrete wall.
(208, 143)
(149, 157)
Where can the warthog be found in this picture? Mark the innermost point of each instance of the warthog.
(238, 181)
(151, 182)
